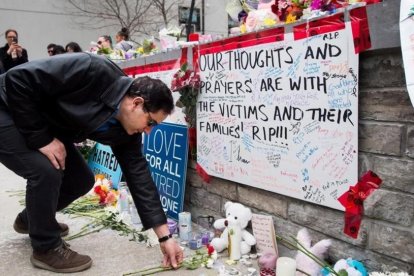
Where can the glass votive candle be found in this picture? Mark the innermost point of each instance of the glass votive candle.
(172, 225)
(205, 238)
(195, 242)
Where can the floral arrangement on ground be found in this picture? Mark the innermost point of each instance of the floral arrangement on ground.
(100, 206)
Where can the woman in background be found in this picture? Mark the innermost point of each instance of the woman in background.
(73, 47)
(122, 40)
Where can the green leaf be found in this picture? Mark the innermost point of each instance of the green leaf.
(342, 272)
(184, 67)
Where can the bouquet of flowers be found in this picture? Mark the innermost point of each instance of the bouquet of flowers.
(99, 205)
(187, 83)
(148, 47)
(103, 188)
(203, 257)
(85, 148)
(256, 15)
(103, 218)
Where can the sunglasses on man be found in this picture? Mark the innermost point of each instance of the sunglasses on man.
(151, 122)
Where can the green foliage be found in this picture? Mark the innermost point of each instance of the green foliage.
(342, 272)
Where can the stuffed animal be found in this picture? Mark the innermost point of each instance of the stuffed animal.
(320, 249)
(233, 227)
(352, 267)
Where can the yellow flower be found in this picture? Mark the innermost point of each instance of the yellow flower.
(290, 18)
(243, 29)
(105, 188)
(268, 22)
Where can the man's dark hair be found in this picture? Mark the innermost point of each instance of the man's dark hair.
(51, 45)
(107, 38)
(58, 49)
(10, 30)
(157, 96)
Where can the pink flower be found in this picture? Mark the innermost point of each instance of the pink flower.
(111, 198)
(251, 22)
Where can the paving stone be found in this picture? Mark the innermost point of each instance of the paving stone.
(396, 174)
(380, 138)
(386, 205)
(385, 104)
(201, 198)
(393, 242)
(264, 200)
(328, 221)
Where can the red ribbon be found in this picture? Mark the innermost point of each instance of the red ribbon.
(353, 200)
(202, 173)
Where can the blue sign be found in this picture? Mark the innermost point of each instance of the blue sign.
(103, 161)
(166, 151)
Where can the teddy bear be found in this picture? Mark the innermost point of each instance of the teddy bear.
(234, 236)
(319, 249)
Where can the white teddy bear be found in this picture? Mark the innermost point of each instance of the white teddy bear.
(237, 218)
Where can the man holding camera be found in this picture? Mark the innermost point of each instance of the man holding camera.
(12, 54)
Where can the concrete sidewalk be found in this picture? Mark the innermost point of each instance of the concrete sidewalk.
(111, 253)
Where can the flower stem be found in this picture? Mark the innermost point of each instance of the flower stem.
(148, 271)
(297, 245)
(82, 234)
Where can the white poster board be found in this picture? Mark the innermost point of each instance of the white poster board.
(407, 43)
(282, 116)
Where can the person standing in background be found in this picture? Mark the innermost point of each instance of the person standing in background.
(50, 49)
(12, 54)
(58, 49)
(122, 42)
(73, 47)
(105, 42)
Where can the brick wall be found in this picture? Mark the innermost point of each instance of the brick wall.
(386, 146)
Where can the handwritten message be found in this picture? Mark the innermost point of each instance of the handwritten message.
(282, 116)
(264, 232)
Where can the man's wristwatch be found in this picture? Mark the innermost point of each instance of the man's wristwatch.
(165, 238)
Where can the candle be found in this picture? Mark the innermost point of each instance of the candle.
(234, 238)
(172, 225)
(184, 225)
(285, 267)
(205, 238)
(195, 242)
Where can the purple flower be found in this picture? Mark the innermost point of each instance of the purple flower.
(316, 5)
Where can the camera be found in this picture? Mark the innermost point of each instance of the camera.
(14, 39)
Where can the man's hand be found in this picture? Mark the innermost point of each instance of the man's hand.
(15, 47)
(56, 153)
(173, 254)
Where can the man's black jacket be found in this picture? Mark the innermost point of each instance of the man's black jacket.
(8, 62)
(69, 96)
